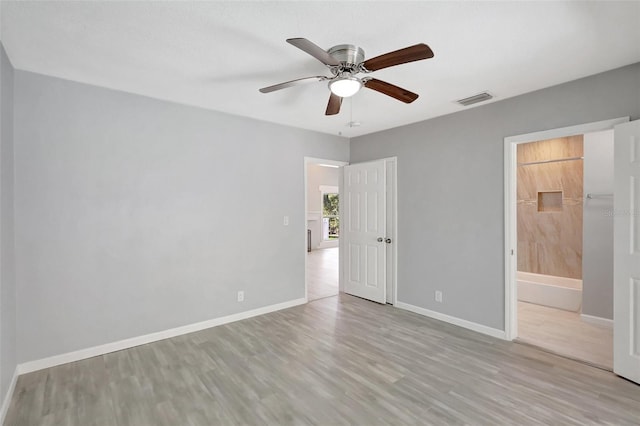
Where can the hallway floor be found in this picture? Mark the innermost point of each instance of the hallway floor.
(322, 273)
(565, 333)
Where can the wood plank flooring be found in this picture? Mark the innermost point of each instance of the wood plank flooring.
(322, 273)
(565, 333)
(335, 361)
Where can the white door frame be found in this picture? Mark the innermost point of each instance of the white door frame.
(392, 258)
(394, 226)
(307, 161)
(510, 208)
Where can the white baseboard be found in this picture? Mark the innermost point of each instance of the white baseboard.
(7, 398)
(494, 332)
(28, 367)
(605, 322)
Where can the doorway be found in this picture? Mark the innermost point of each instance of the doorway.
(559, 264)
(322, 227)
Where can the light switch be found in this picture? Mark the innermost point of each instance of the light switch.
(285, 221)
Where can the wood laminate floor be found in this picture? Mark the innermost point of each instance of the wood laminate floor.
(322, 273)
(565, 333)
(335, 361)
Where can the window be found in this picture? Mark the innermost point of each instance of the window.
(330, 218)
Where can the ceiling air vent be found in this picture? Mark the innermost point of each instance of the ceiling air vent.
(480, 97)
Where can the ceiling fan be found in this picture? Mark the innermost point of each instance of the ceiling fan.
(345, 61)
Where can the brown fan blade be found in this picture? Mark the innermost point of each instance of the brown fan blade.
(391, 90)
(314, 50)
(402, 56)
(333, 107)
(292, 83)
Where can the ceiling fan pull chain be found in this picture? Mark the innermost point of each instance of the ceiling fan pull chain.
(350, 110)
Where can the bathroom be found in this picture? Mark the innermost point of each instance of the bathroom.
(565, 246)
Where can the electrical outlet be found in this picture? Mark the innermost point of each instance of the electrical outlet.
(241, 296)
(438, 296)
(285, 221)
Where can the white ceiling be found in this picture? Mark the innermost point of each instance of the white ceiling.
(217, 55)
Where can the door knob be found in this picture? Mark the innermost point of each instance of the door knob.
(380, 239)
(387, 240)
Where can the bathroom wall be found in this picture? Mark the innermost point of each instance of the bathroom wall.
(550, 207)
(597, 256)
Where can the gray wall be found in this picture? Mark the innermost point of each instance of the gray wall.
(597, 239)
(450, 188)
(7, 265)
(135, 215)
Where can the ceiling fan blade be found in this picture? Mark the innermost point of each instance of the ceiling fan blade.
(314, 50)
(333, 107)
(417, 52)
(391, 90)
(296, 82)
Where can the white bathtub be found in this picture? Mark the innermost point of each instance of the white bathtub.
(547, 290)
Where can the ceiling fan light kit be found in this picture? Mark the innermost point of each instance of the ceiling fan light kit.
(345, 86)
(345, 61)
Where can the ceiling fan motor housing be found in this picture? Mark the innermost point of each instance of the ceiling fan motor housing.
(349, 55)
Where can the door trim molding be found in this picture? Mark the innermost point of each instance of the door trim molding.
(394, 225)
(8, 396)
(510, 213)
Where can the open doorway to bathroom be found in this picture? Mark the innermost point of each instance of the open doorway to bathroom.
(565, 246)
(323, 228)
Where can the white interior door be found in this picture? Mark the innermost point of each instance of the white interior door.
(626, 304)
(364, 230)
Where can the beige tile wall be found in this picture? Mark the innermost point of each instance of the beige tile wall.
(550, 242)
